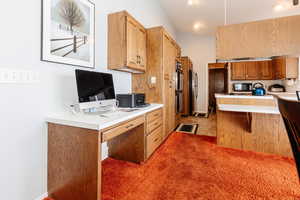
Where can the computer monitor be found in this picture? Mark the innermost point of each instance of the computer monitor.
(95, 89)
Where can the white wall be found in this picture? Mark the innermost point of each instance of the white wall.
(201, 50)
(23, 136)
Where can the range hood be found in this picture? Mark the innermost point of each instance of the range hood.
(243, 59)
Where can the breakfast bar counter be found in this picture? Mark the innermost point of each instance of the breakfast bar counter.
(251, 123)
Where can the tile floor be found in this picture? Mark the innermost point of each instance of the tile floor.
(207, 126)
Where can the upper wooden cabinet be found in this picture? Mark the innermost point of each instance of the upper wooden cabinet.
(286, 67)
(127, 40)
(217, 65)
(278, 68)
(267, 38)
(266, 70)
(238, 71)
(253, 70)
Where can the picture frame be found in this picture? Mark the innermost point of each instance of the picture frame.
(68, 32)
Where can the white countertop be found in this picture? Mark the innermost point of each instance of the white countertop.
(250, 109)
(243, 96)
(97, 122)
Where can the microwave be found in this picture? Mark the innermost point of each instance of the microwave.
(242, 87)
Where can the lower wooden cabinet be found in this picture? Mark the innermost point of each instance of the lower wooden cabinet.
(154, 140)
(155, 131)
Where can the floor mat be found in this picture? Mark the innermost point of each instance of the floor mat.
(191, 167)
(187, 128)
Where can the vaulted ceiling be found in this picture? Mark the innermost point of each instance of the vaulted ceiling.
(203, 16)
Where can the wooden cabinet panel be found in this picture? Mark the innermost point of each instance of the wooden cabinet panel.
(154, 140)
(278, 68)
(186, 66)
(132, 44)
(278, 64)
(154, 115)
(266, 38)
(217, 65)
(162, 52)
(169, 62)
(286, 67)
(252, 71)
(238, 71)
(114, 132)
(142, 48)
(153, 125)
(126, 43)
(266, 70)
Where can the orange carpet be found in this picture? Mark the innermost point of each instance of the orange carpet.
(190, 167)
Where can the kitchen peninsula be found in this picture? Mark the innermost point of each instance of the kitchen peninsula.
(251, 123)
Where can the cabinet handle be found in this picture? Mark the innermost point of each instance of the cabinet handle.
(138, 59)
(131, 125)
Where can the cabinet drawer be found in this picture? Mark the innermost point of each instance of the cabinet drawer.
(122, 128)
(154, 115)
(154, 140)
(151, 126)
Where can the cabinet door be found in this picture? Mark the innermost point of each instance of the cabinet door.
(266, 70)
(141, 48)
(238, 71)
(279, 66)
(252, 71)
(169, 85)
(132, 54)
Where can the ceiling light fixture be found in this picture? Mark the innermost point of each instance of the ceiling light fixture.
(278, 7)
(285, 4)
(198, 26)
(193, 2)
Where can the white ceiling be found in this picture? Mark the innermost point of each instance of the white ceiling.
(211, 13)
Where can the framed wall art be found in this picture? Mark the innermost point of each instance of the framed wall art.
(68, 32)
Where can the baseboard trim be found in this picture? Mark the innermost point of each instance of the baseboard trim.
(43, 196)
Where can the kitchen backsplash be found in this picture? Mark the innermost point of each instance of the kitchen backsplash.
(292, 86)
(266, 83)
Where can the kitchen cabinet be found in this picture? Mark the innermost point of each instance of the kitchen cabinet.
(266, 70)
(126, 43)
(217, 66)
(169, 62)
(187, 65)
(266, 38)
(286, 67)
(158, 81)
(253, 70)
(238, 71)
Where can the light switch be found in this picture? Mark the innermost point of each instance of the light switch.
(153, 80)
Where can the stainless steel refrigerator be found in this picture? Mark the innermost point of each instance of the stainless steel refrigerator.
(194, 90)
(179, 88)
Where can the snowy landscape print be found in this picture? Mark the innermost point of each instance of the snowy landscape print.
(70, 30)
